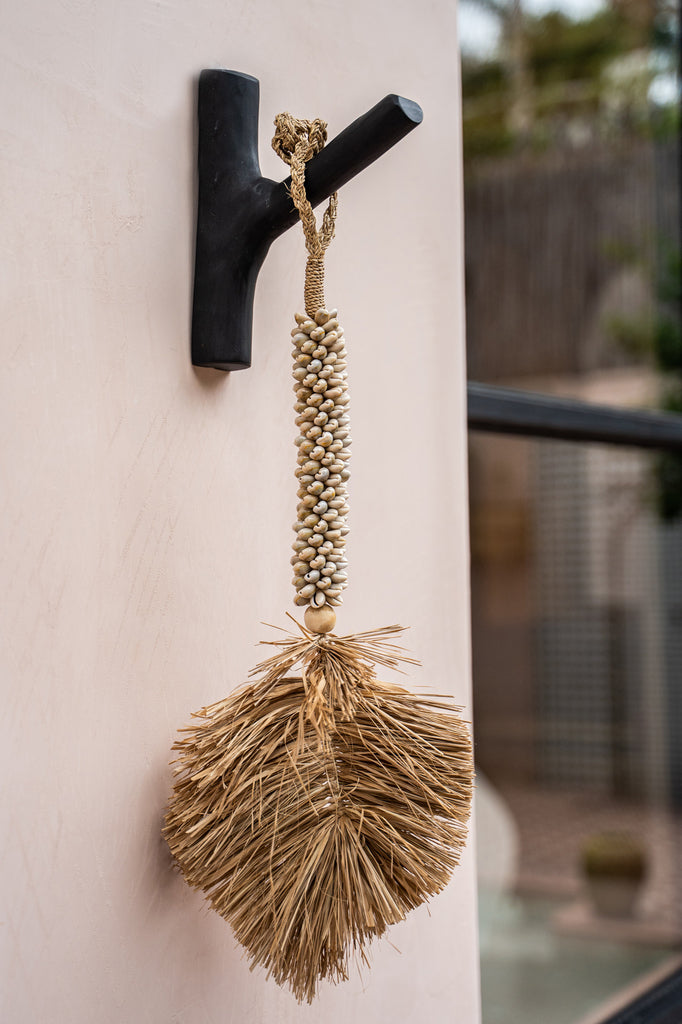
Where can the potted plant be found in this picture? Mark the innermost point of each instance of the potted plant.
(614, 865)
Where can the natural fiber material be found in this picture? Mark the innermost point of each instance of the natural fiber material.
(315, 810)
(297, 141)
(317, 805)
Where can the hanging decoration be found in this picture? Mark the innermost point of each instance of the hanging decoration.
(316, 806)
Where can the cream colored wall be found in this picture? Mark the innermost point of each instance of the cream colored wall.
(146, 507)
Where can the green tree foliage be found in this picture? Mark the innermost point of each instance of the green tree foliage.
(580, 79)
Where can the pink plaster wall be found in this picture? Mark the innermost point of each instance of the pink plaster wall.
(146, 507)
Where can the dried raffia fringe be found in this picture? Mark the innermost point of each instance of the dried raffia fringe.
(316, 806)
(316, 809)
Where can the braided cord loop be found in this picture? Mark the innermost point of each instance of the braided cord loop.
(297, 141)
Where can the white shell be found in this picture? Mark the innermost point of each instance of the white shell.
(320, 385)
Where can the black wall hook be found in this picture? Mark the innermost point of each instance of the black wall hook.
(240, 212)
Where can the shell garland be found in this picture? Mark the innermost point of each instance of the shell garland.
(320, 384)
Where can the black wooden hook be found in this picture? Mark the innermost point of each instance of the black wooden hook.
(240, 212)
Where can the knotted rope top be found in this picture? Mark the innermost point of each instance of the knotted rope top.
(296, 141)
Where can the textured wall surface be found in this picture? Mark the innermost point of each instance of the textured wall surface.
(146, 507)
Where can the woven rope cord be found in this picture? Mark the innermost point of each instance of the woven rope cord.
(296, 141)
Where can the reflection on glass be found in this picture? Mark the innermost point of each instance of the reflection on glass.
(572, 246)
(577, 641)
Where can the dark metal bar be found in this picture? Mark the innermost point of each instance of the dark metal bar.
(661, 1004)
(240, 212)
(507, 411)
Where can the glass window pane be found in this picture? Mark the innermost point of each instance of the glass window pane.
(577, 655)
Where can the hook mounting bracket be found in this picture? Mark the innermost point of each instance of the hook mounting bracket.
(240, 213)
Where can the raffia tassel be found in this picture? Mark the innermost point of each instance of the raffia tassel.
(316, 809)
